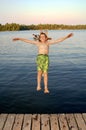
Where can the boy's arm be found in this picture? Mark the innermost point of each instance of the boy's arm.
(61, 39)
(25, 40)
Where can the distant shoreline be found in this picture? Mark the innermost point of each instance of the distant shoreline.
(18, 27)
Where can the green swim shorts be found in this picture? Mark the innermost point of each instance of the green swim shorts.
(42, 62)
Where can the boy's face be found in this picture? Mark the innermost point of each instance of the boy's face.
(42, 38)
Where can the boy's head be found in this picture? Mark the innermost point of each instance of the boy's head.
(43, 37)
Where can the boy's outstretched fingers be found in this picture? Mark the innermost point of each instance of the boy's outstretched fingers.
(15, 39)
(70, 35)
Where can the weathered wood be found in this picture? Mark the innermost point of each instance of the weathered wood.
(9, 122)
(71, 122)
(27, 122)
(80, 122)
(54, 122)
(45, 125)
(36, 122)
(3, 118)
(63, 122)
(43, 122)
(84, 116)
(18, 122)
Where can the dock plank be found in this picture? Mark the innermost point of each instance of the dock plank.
(3, 118)
(18, 122)
(45, 125)
(80, 122)
(27, 122)
(9, 122)
(36, 122)
(63, 122)
(71, 122)
(54, 122)
(84, 116)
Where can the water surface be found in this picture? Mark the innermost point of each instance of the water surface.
(67, 74)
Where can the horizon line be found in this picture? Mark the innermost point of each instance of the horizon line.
(42, 24)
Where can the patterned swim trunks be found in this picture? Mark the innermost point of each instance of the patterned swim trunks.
(42, 62)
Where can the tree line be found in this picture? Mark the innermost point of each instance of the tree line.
(17, 27)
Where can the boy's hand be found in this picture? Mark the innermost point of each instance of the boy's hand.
(69, 35)
(15, 39)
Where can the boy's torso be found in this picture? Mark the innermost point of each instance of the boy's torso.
(43, 48)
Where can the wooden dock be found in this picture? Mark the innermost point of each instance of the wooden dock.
(76, 121)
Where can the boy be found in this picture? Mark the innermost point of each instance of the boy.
(42, 57)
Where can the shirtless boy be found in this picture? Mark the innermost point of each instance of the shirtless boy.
(42, 57)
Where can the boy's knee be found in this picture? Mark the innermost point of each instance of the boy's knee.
(45, 73)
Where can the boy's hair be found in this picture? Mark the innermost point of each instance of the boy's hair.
(42, 33)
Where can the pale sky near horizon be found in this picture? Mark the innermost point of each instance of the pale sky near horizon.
(43, 11)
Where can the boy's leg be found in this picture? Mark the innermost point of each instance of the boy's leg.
(39, 76)
(46, 82)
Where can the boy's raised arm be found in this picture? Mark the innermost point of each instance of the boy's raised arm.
(61, 39)
(25, 40)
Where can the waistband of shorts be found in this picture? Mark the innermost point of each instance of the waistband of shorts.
(42, 54)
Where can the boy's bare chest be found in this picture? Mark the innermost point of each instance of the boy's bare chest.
(43, 46)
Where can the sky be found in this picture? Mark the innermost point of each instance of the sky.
(69, 12)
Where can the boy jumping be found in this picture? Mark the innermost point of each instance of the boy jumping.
(42, 57)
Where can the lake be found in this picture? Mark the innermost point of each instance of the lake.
(67, 74)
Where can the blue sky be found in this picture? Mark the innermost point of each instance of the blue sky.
(43, 11)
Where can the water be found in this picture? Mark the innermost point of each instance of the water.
(67, 74)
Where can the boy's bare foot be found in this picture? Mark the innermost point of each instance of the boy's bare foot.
(38, 88)
(46, 91)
